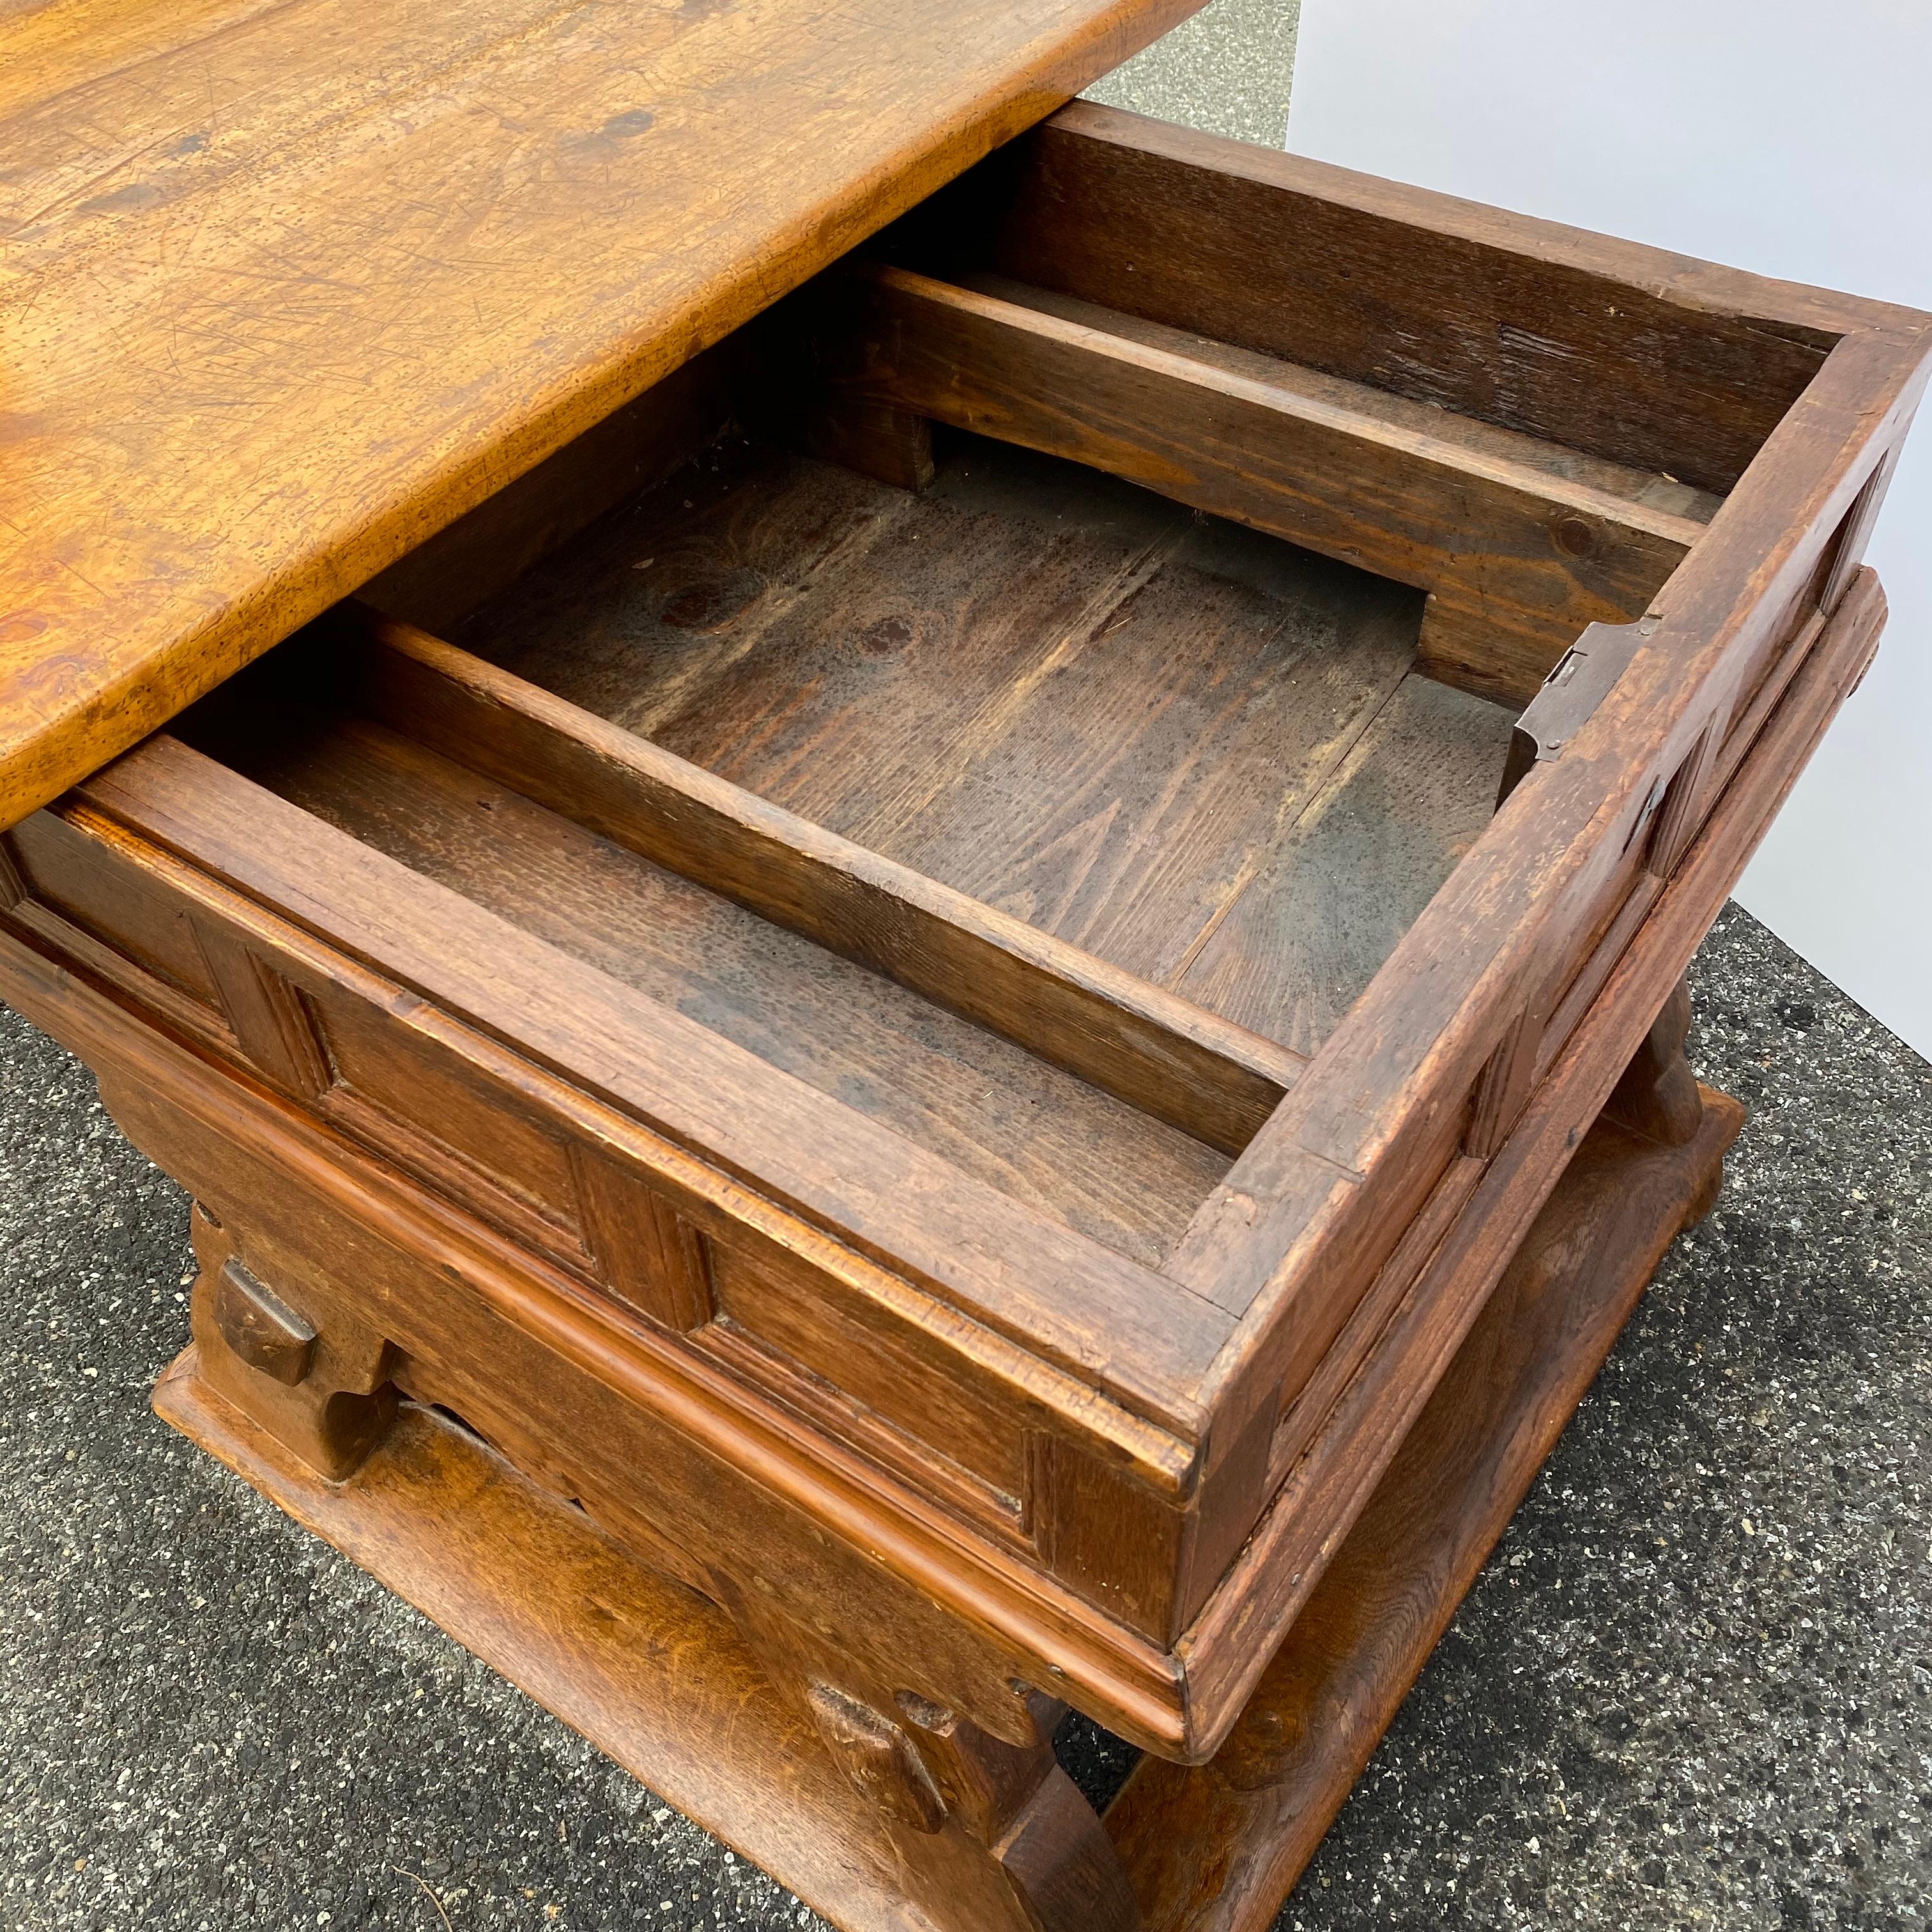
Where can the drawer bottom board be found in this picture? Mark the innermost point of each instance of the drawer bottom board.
(658, 1678)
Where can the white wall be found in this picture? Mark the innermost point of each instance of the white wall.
(1794, 139)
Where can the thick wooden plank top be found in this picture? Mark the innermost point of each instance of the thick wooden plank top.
(287, 285)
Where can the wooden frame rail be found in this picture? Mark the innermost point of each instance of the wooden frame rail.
(1473, 998)
(1648, 359)
(1520, 545)
(1426, 1298)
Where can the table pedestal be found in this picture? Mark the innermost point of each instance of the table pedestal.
(954, 1828)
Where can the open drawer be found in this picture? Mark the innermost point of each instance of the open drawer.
(946, 864)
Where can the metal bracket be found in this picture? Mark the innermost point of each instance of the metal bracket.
(1583, 678)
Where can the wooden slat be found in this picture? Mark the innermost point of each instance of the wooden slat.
(12, 888)
(1630, 352)
(1282, 1563)
(1512, 543)
(1042, 1136)
(1185, 1066)
(1513, 449)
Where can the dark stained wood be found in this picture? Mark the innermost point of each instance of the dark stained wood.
(1345, 469)
(800, 1335)
(111, 901)
(414, 1083)
(1129, 794)
(902, 656)
(1350, 870)
(260, 1328)
(653, 602)
(890, 445)
(1119, 782)
(1017, 1123)
(1406, 1328)
(484, 552)
(328, 1401)
(1647, 359)
(275, 1028)
(1657, 1096)
(1320, 1197)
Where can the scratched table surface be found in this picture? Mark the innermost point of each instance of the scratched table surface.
(285, 286)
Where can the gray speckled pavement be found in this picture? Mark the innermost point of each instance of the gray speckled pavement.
(1693, 1687)
(1225, 70)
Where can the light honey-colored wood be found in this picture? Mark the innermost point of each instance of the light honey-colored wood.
(288, 288)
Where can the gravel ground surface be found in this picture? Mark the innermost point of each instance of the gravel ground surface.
(1225, 70)
(1691, 1688)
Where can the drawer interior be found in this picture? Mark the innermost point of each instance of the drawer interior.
(1183, 779)
(1025, 685)
(1199, 752)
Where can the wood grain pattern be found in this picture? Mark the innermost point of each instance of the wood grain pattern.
(706, 1093)
(654, 1675)
(486, 549)
(268, 1016)
(905, 654)
(1666, 365)
(1319, 1198)
(1125, 796)
(654, 1261)
(1016, 1122)
(653, 603)
(1401, 1350)
(1101, 718)
(259, 350)
(1351, 871)
(325, 1397)
(481, 1324)
(498, 1138)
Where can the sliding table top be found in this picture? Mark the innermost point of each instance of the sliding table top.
(285, 286)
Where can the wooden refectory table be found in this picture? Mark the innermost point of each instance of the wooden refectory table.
(906, 873)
